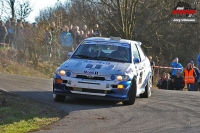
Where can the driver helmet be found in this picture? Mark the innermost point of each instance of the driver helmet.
(94, 48)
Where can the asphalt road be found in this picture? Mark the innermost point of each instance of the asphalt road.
(165, 111)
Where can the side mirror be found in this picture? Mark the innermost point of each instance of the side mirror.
(69, 55)
(136, 60)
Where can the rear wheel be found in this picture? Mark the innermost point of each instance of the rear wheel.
(131, 94)
(148, 88)
(58, 98)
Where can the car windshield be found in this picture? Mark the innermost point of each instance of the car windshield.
(116, 52)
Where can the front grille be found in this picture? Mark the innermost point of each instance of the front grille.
(94, 78)
(92, 90)
(110, 92)
(114, 86)
(65, 81)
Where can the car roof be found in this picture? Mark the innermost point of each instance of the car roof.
(112, 39)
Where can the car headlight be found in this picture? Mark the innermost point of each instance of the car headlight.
(119, 78)
(62, 72)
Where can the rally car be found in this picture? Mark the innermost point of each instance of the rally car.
(104, 68)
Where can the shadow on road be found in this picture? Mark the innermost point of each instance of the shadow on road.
(70, 104)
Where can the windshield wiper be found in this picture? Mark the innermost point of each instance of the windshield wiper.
(82, 56)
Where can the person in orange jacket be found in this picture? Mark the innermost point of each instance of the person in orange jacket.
(189, 77)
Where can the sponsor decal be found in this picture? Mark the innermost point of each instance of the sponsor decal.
(90, 72)
(89, 66)
(110, 44)
(97, 62)
(110, 67)
(98, 66)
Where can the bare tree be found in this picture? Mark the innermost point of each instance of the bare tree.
(13, 8)
(23, 10)
(123, 15)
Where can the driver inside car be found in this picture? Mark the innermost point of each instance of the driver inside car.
(95, 51)
(120, 53)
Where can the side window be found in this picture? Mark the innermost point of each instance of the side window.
(135, 52)
(142, 56)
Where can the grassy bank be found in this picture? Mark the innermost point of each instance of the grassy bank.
(18, 114)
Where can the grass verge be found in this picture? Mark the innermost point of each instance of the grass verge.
(20, 115)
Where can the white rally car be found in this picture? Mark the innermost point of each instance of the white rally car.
(104, 68)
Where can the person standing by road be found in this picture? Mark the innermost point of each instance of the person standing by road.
(198, 61)
(167, 83)
(97, 33)
(189, 77)
(178, 82)
(159, 83)
(152, 63)
(176, 67)
(3, 32)
(196, 84)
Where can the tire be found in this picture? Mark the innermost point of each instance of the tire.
(131, 94)
(58, 98)
(148, 88)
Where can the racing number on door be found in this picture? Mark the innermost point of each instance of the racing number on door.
(140, 77)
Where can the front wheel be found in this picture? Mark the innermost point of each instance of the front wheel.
(131, 94)
(148, 88)
(58, 98)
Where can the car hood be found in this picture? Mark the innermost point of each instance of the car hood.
(78, 66)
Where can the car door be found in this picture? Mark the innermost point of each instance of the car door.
(143, 67)
(138, 66)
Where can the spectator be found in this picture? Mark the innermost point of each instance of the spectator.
(198, 61)
(71, 31)
(167, 83)
(77, 36)
(91, 33)
(11, 31)
(81, 35)
(3, 32)
(85, 36)
(178, 82)
(7, 25)
(196, 84)
(28, 36)
(85, 29)
(159, 83)
(19, 35)
(177, 67)
(189, 77)
(47, 41)
(66, 38)
(97, 33)
(152, 64)
(53, 31)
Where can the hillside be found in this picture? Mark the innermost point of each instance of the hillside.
(9, 65)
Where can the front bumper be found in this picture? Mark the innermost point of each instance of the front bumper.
(95, 89)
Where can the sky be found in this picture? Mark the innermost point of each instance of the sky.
(39, 5)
